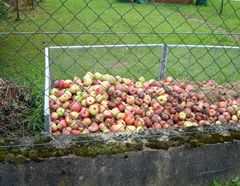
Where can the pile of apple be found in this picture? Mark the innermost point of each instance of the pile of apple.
(104, 103)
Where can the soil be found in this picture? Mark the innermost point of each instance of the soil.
(14, 109)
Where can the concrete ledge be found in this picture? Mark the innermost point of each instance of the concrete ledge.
(175, 166)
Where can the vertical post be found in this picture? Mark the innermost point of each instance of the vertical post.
(17, 11)
(214, 57)
(47, 88)
(188, 76)
(221, 8)
(32, 2)
(163, 62)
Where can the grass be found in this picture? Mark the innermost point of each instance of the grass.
(234, 182)
(22, 56)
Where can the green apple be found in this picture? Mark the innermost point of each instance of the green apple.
(84, 102)
(151, 80)
(99, 117)
(53, 91)
(182, 116)
(97, 75)
(111, 79)
(162, 99)
(119, 79)
(88, 81)
(60, 111)
(99, 98)
(188, 124)
(115, 111)
(235, 107)
(238, 113)
(74, 88)
(139, 84)
(94, 109)
(234, 118)
(130, 128)
(141, 79)
(218, 122)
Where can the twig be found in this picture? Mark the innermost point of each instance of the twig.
(6, 92)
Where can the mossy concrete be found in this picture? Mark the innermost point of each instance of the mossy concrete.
(175, 166)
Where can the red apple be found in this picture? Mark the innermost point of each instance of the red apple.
(212, 112)
(129, 119)
(120, 115)
(54, 116)
(66, 132)
(75, 106)
(157, 126)
(107, 114)
(67, 83)
(84, 113)
(132, 90)
(155, 118)
(54, 127)
(121, 108)
(93, 128)
(222, 104)
(59, 84)
(189, 88)
(147, 121)
(147, 99)
(177, 89)
(90, 100)
(75, 132)
(139, 122)
(130, 100)
(117, 128)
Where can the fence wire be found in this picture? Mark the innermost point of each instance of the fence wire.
(138, 44)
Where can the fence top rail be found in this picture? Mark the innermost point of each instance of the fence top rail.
(143, 45)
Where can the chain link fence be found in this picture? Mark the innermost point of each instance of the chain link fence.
(138, 44)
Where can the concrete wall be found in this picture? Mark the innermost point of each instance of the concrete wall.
(176, 166)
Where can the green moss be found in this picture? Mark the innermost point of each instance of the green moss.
(15, 151)
(33, 155)
(8, 142)
(155, 144)
(85, 138)
(10, 158)
(20, 159)
(38, 153)
(193, 143)
(95, 149)
(38, 139)
(2, 154)
(236, 135)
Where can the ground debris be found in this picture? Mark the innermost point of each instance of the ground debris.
(14, 109)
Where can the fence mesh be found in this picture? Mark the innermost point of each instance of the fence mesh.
(195, 42)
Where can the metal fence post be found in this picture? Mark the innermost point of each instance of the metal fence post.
(163, 62)
(47, 88)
